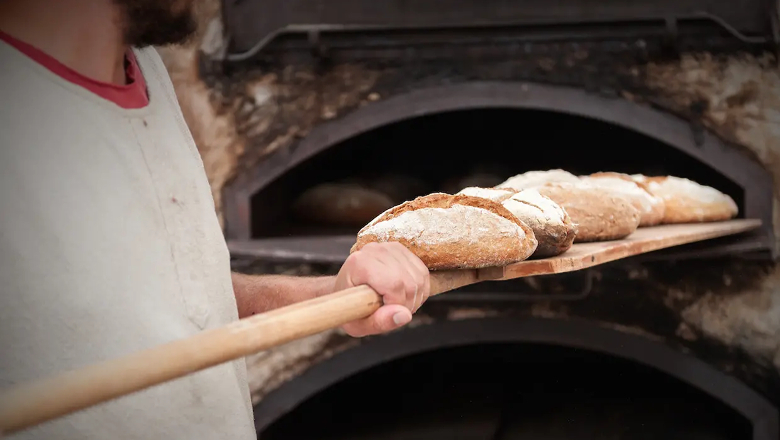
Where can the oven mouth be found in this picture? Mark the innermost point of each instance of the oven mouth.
(478, 134)
(496, 358)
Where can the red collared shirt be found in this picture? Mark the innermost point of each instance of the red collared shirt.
(129, 96)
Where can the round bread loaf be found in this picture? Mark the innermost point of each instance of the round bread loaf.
(551, 224)
(494, 194)
(600, 213)
(689, 202)
(651, 208)
(453, 232)
(340, 204)
(533, 179)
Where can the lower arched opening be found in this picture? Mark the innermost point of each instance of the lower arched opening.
(504, 379)
(510, 391)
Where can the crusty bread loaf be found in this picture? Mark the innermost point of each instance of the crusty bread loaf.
(453, 232)
(533, 179)
(651, 208)
(494, 194)
(690, 202)
(600, 213)
(551, 224)
(340, 204)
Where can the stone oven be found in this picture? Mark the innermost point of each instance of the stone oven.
(404, 98)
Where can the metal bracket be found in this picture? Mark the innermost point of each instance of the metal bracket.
(295, 28)
(731, 29)
(319, 50)
(672, 35)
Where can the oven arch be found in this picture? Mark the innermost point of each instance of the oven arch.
(669, 129)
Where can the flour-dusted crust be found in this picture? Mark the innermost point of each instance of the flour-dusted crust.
(552, 226)
(532, 179)
(494, 194)
(453, 232)
(651, 208)
(690, 202)
(600, 213)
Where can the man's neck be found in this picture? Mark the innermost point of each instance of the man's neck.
(84, 35)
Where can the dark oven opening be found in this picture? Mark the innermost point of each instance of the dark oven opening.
(509, 391)
(313, 210)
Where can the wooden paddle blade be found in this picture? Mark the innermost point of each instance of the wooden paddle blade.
(644, 240)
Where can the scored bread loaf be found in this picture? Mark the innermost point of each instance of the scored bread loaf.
(687, 201)
(453, 232)
(552, 226)
(600, 213)
(533, 179)
(494, 194)
(651, 208)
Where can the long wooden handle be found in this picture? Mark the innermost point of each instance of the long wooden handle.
(37, 402)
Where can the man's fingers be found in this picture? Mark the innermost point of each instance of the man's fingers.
(416, 275)
(425, 292)
(394, 280)
(362, 266)
(422, 279)
(385, 319)
(395, 273)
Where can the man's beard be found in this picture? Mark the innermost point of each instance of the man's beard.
(156, 22)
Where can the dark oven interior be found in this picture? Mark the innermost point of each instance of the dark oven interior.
(509, 391)
(446, 152)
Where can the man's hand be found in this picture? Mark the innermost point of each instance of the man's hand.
(393, 272)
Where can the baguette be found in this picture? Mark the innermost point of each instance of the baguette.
(552, 226)
(600, 213)
(453, 232)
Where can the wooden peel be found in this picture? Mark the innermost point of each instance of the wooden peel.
(34, 403)
(644, 240)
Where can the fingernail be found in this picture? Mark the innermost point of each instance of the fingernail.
(401, 318)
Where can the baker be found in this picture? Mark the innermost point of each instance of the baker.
(109, 240)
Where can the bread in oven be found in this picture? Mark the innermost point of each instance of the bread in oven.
(600, 213)
(340, 204)
(533, 179)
